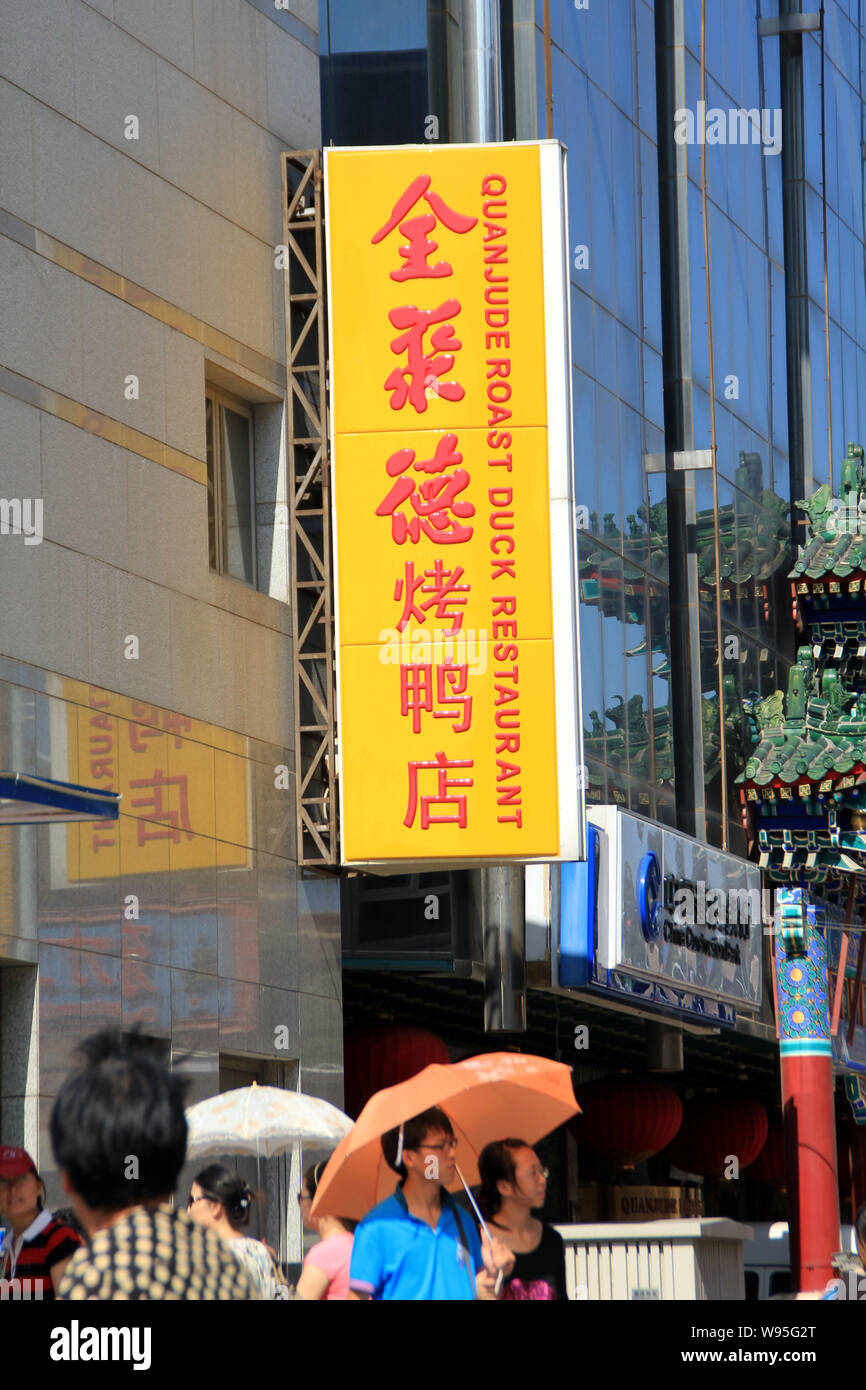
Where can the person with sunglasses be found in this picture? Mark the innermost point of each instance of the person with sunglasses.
(221, 1200)
(513, 1186)
(418, 1244)
(326, 1265)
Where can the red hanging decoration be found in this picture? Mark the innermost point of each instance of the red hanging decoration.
(769, 1167)
(717, 1128)
(376, 1055)
(626, 1118)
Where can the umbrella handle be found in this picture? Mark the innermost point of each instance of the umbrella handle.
(474, 1205)
(484, 1226)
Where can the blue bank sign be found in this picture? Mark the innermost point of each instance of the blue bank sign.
(662, 918)
(649, 895)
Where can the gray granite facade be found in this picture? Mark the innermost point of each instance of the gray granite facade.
(139, 212)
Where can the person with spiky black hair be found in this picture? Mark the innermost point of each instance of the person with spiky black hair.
(118, 1131)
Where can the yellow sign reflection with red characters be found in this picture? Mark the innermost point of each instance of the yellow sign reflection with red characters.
(184, 785)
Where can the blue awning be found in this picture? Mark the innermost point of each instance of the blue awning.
(36, 800)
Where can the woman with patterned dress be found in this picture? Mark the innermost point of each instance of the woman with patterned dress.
(221, 1200)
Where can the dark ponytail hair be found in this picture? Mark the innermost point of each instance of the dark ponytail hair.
(230, 1190)
(495, 1165)
(312, 1178)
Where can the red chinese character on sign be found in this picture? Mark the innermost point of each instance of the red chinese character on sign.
(423, 369)
(417, 698)
(416, 255)
(136, 978)
(451, 682)
(158, 810)
(416, 693)
(145, 713)
(136, 936)
(174, 723)
(444, 591)
(431, 500)
(91, 960)
(153, 716)
(103, 836)
(444, 785)
(137, 735)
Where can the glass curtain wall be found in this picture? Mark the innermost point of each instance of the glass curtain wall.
(834, 70)
(737, 296)
(374, 71)
(391, 71)
(388, 69)
(602, 67)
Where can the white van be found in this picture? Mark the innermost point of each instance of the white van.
(766, 1259)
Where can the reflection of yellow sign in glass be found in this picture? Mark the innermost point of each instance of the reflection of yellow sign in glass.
(178, 791)
(452, 504)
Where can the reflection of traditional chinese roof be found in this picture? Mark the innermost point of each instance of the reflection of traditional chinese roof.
(805, 781)
(753, 545)
(628, 744)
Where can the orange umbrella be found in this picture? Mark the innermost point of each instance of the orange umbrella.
(498, 1095)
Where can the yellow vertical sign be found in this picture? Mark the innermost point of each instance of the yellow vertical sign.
(442, 505)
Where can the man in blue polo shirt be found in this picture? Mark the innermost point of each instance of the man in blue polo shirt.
(418, 1244)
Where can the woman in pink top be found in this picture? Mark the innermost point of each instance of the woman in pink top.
(326, 1267)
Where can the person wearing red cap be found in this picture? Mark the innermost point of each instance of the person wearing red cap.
(37, 1247)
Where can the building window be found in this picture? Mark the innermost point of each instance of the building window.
(230, 490)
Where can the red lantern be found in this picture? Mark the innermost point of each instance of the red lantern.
(769, 1167)
(376, 1055)
(627, 1118)
(717, 1128)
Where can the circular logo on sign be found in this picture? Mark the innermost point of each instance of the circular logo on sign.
(649, 895)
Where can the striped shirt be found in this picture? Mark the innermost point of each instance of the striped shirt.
(45, 1243)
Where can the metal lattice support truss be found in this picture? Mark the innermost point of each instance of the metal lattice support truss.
(309, 472)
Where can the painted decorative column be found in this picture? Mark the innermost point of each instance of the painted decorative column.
(807, 1090)
(804, 804)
